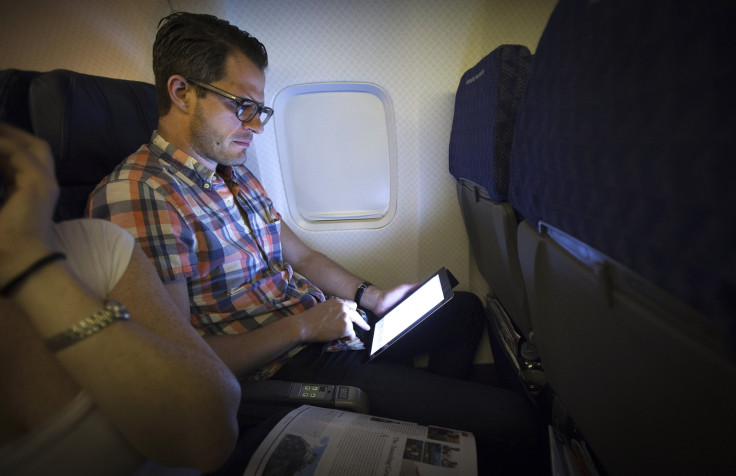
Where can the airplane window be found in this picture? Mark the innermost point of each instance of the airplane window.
(336, 147)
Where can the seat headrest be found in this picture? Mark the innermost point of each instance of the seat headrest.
(486, 105)
(14, 108)
(91, 123)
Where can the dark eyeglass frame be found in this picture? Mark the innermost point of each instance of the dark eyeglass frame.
(241, 103)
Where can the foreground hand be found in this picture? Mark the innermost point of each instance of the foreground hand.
(30, 192)
(329, 320)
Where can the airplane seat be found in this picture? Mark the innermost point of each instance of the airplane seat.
(621, 166)
(14, 107)
(486, 106)
(91, 124)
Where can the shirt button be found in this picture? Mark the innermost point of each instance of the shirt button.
(206, 186)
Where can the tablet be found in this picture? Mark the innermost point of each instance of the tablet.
(411, 311)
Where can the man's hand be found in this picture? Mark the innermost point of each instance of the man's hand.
(379, 301)
(330, 320)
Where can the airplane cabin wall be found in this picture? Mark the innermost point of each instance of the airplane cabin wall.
(416, 50)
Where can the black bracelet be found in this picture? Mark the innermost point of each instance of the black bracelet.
(5, 291)
(359, 293)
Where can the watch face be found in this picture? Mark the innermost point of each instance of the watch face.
(118, 310)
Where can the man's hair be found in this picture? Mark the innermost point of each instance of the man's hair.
(196, 46)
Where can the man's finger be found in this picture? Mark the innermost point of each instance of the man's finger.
(358, 319)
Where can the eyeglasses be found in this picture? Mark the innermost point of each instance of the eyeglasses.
(246, 109)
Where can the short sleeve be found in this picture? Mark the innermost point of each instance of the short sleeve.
(98, 252)
(145, 213)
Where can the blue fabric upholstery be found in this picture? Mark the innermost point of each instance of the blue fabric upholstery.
(625, 141)
(486, 105)
(91, 123)
(14, 107)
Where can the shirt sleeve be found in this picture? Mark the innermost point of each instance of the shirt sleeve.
(98, 252)
(146, 213)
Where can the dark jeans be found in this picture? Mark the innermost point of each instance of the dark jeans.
(509, 439)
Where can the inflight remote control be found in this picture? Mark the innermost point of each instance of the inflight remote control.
(333, 396)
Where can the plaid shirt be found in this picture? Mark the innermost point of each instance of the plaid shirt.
(191, 222)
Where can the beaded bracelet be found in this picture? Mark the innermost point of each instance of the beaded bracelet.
(5, 291)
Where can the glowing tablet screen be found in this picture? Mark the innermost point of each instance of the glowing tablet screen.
(409, 311)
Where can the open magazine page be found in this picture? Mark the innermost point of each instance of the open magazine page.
(323, 441)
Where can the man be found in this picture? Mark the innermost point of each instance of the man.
(255, 291)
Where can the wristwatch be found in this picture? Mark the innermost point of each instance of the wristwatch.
(361, 289)
(113, 311)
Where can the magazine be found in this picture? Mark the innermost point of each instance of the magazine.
(325, 441)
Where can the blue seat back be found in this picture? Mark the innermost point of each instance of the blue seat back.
(91, 123)
(626, 140)
(621, 165)
(14, 107)
(486, 106)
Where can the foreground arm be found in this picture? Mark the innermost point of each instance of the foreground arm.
(151, 376)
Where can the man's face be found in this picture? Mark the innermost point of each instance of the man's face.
(215, 133)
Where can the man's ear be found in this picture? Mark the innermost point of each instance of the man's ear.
(178, 93)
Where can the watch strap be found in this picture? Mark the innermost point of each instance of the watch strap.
(361, 289)
(112, 312)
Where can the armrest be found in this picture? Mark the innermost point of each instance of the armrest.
(293, 393)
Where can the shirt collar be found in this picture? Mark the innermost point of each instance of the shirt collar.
(161, 147)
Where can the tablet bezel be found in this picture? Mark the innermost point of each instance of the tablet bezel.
(446, 282)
